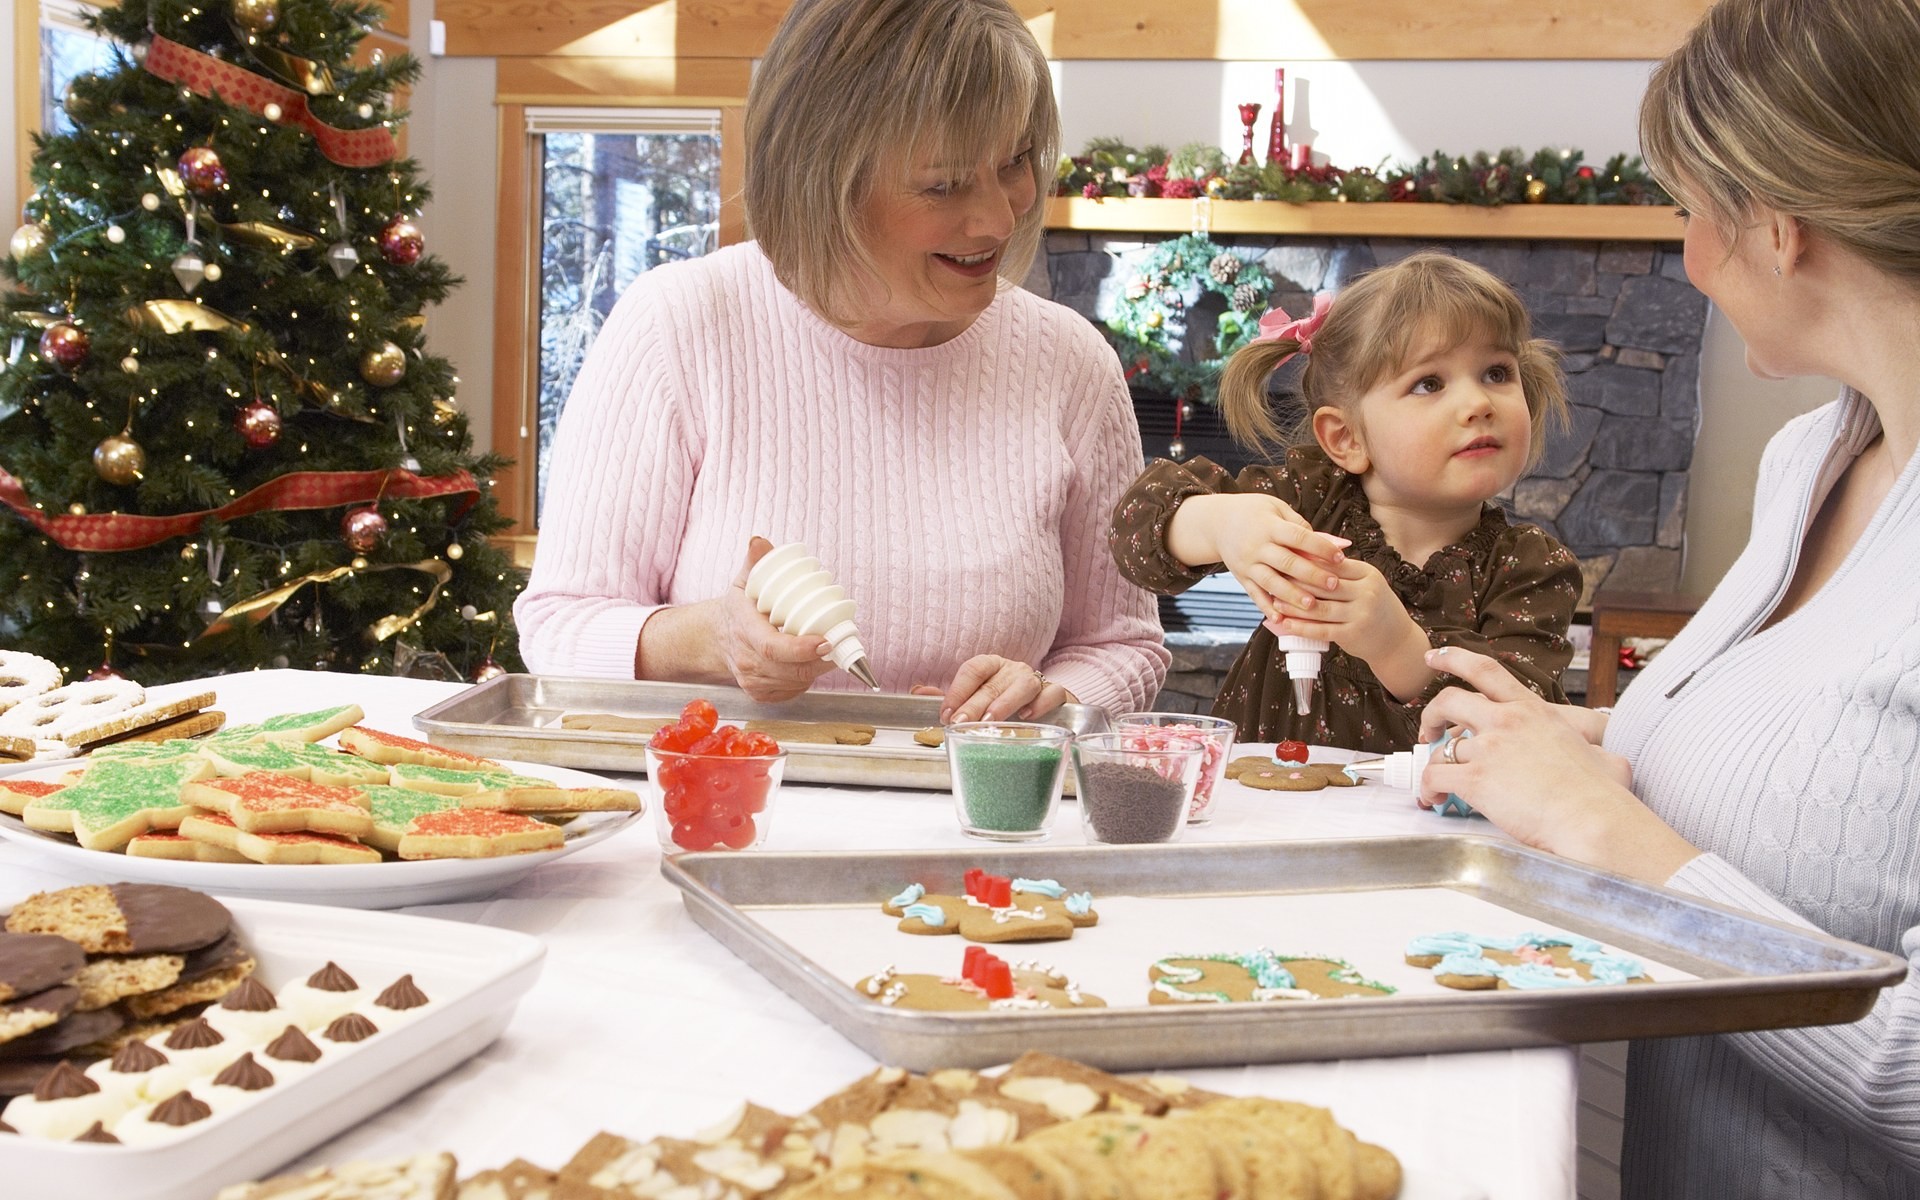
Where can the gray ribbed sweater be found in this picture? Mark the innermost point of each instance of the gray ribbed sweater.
(1792, 757)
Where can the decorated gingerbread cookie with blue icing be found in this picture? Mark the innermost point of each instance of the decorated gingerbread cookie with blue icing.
(995, 909)
(1528, 961)
(1260, 977)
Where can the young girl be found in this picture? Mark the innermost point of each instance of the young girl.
(1426, 396)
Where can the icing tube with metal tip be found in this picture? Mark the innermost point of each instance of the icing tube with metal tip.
(800, 597)
(1303, 666)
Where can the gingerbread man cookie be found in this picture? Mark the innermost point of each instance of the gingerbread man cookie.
(1260, 976)
(995, 909)
(986, 983)
(1269, 775)
(1528, 961)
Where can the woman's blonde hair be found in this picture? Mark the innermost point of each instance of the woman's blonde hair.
(1375, 327)
(1808, 107)
(851, 89)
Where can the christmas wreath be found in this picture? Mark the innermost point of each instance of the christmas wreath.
(1150, 324)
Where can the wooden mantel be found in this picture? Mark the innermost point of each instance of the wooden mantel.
(1525, 222)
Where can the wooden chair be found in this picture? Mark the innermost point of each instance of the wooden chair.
(1618, 615)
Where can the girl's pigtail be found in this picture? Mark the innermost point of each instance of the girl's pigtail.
(1243, 393)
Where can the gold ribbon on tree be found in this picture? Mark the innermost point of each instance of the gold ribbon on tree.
(179, 316)
(255, 609)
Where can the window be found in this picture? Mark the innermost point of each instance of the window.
(68, 49)
(621, 191)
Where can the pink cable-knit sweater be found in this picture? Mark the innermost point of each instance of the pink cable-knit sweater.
(960, 492)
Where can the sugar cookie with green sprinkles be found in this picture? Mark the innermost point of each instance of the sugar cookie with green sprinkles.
(114, 802)
(300, 760)
(295, 727)
(449, 782)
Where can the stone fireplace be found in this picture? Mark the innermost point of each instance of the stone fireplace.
(1612, 485)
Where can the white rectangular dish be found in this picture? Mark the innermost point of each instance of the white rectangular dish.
(473, 975)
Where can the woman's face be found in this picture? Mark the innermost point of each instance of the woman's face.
(937, 234)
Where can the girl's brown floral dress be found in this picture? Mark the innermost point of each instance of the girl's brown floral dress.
(1504, 590)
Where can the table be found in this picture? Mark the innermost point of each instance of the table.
(1619, 615)
(642, 1024)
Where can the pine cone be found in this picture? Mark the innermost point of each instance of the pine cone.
(1248, 298)
(1224, 268)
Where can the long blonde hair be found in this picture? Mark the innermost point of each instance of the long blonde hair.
(1375, 327)
(1809, 107)
(850, 89)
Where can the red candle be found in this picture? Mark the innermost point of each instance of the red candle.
(1302, 156)
(1277, 138)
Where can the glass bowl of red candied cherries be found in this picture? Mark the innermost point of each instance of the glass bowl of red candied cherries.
(713, 785)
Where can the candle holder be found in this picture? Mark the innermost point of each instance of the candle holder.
(1277, 136)
(1249, 113)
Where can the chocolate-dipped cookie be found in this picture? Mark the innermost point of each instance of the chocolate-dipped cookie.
(125, 918)
(34, 962)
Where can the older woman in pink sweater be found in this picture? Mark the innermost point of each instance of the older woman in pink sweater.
(863, 379)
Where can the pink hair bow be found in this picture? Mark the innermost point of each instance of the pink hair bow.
(1275, 327)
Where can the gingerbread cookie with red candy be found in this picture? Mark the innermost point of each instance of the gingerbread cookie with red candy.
(995, 909)
(986, 983)
(1269, 775)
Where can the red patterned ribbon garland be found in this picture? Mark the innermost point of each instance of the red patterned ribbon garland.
(298, 490)
(208, 76)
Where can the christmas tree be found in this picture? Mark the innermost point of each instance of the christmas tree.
(223, 444)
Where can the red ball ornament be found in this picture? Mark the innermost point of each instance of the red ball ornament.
(103, 671)
(362, 529)
(258, 424)
(201, 171)
(488, 669)
(65, 345)
(1585, 172)
(401, 242)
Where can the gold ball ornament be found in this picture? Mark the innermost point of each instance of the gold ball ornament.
(256, 16)
(28, 240)
(455, 551)
(1536, 191)
(384, 365)
(119, 459)
(1155, 320)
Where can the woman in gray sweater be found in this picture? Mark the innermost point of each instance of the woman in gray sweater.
(1769, 758)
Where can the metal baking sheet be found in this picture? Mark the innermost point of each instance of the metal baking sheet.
(518, 717)
(1716, 969)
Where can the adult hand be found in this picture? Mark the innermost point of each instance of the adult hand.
(767, 664)
(1532, 772)
(991, 688)
(1270, 549)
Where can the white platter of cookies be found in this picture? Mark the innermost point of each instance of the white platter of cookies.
(339, 1015)
(266, 810)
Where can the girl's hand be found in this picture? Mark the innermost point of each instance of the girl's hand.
(1359, 612)
(1270, 549)
(767, 664)
(1531, 771)
(991, 688)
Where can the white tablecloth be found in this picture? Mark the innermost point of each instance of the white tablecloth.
(642, 1024)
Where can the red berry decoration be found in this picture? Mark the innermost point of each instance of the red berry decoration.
(362, 529)
(1291, 752)
(202, 172)
(65, 345)
(258, 424)
(401, 242)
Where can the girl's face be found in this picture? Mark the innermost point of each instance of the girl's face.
(1449, 430)
(936, 236)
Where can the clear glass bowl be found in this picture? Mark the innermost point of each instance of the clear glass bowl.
(1155, 729)
(712, 801)
(1130, 795)
(1006, 777)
